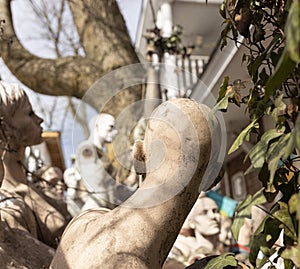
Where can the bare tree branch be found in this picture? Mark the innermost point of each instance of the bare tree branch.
(105, 40)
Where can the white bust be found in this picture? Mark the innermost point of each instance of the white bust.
(204, 219)
(102, 128)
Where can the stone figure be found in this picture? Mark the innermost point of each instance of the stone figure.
(96, 170)
(18, 249)
(51, 182)
(140, 233)
(76, 193)
(199, 236)
(24, 207)
(49, 179)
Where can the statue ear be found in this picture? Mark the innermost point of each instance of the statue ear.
(139, 157)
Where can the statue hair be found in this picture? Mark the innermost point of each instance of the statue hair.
(12, 96)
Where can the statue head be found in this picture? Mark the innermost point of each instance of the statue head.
(20, 126)
(102, 128)
(205, 217)
(53, 183)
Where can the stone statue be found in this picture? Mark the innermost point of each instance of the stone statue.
(51, 182)
(140, 233)
(76, 193)
(23, 206)
(96, 169)
(203, 240)
(49, 179)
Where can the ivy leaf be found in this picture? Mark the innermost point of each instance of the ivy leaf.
(243, 136)
(244, 211)
(220, 262)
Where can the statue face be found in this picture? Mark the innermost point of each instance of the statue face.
(26, 125)
(55, 184)
(206, 217)
(52, 175)
(105, 128)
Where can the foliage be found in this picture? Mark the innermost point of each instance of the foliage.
(222, 261)
(172, 44)
(272, 40)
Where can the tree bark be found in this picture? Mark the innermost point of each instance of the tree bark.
(106, 44)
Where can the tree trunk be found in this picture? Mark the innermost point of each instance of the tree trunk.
(106, 44)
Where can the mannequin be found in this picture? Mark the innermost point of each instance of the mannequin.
(203, 223)
(19, 128)
(95, 168)
(76, 193)
(50, 182)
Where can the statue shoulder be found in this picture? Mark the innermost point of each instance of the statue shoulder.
(86, 152)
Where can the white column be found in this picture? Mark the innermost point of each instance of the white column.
(168, 74)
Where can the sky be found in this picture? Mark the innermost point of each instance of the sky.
(30, 36)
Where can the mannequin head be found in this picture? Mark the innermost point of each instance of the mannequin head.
(205, 217)
(53, 184)
(103, 130)
(20, 126)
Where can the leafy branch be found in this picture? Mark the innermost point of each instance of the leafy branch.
(272, 40)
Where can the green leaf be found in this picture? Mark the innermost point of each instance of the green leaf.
(243, 136)
(261, 262)
(223, 89)
(292, 253)
(293, 203)
(220, 262)
(222, 104)
(275, 153)
(284, 217)
(292, 31)
(264, 238)
(244, 211)
(222, 10)
(258, 153)
(283, 69)
(263, 76)
(279, 109)
(296, 133)
(254, 66)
